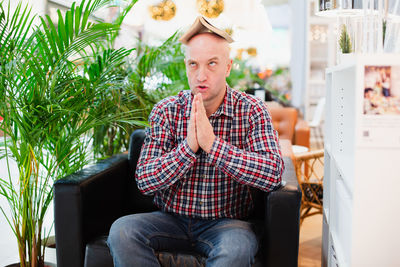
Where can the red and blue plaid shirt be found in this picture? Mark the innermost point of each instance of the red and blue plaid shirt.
(211, 185)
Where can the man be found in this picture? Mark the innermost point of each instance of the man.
(204, 150)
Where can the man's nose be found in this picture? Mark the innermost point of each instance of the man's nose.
(201, 74)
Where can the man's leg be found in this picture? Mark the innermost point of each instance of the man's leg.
(133, 238)
(227, 242)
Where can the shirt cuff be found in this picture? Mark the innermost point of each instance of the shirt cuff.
(185, 153)
(219, 152)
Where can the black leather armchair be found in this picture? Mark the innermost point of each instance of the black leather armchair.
(88, 202)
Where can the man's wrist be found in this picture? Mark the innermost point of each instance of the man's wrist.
(209, 146)
(187, 149)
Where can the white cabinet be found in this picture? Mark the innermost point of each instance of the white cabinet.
(362, 164)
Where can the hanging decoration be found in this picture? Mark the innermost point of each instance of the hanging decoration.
(252, 51)
(165, 10)
(210, 8)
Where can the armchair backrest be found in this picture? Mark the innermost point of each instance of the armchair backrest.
(284, 120)
(139, 202)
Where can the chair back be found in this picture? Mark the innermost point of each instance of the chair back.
(309, 168)
(139, 202)
(284, 120)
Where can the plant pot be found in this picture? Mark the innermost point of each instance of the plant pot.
(50, 248)
(346, 58)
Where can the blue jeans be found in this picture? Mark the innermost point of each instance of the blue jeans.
(225, 242)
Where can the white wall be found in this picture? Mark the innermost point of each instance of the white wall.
(298, 69)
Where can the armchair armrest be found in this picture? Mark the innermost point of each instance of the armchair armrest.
(282, 217)
(86, 204)
(302, 133)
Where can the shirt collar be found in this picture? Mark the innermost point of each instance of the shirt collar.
(225, 108)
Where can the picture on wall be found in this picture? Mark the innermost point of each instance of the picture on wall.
(381, 90)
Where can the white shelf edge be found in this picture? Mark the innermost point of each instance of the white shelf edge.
(316, 81)
(338, 251)
(327, 146)
(326, 214)
(315, 20)
(340, 67)
(340, 162)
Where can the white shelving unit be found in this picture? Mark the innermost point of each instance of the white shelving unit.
(321, 50)
(362, 169)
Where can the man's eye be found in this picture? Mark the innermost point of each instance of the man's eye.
(213, 63)
(192, 64)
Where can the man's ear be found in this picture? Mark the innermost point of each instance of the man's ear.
(229, 67)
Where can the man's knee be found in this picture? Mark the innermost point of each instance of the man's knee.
(125, 229)
(243, 243)
(236, 245)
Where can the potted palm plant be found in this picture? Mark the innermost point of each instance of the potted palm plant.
(49, 108)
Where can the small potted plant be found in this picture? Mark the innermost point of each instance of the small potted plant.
(345, 44)
(345, 41)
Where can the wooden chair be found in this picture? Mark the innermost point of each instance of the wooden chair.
(309, 168)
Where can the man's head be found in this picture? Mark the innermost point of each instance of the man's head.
(208, 65)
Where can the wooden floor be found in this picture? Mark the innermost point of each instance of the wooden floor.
(311, 229)
(311, 242)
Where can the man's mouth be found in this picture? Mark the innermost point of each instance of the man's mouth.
(202, 87)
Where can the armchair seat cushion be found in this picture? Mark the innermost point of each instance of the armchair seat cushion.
(171, 259)
(98, 255)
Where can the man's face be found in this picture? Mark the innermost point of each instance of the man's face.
(207, 66)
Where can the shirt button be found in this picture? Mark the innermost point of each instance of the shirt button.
(201, 203)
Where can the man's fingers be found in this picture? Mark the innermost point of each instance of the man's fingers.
(204, 130)
(191, 131)
(200, 110)
(200, 105)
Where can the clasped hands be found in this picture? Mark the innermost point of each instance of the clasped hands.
(200, 133)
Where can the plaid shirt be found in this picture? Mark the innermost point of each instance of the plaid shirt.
(216, 185)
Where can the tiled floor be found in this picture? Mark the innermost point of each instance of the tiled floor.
(317, 137)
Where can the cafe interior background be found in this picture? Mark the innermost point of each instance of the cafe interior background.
(284, 48)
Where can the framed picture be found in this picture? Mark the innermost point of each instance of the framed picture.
(382, 90)
(381, 106)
